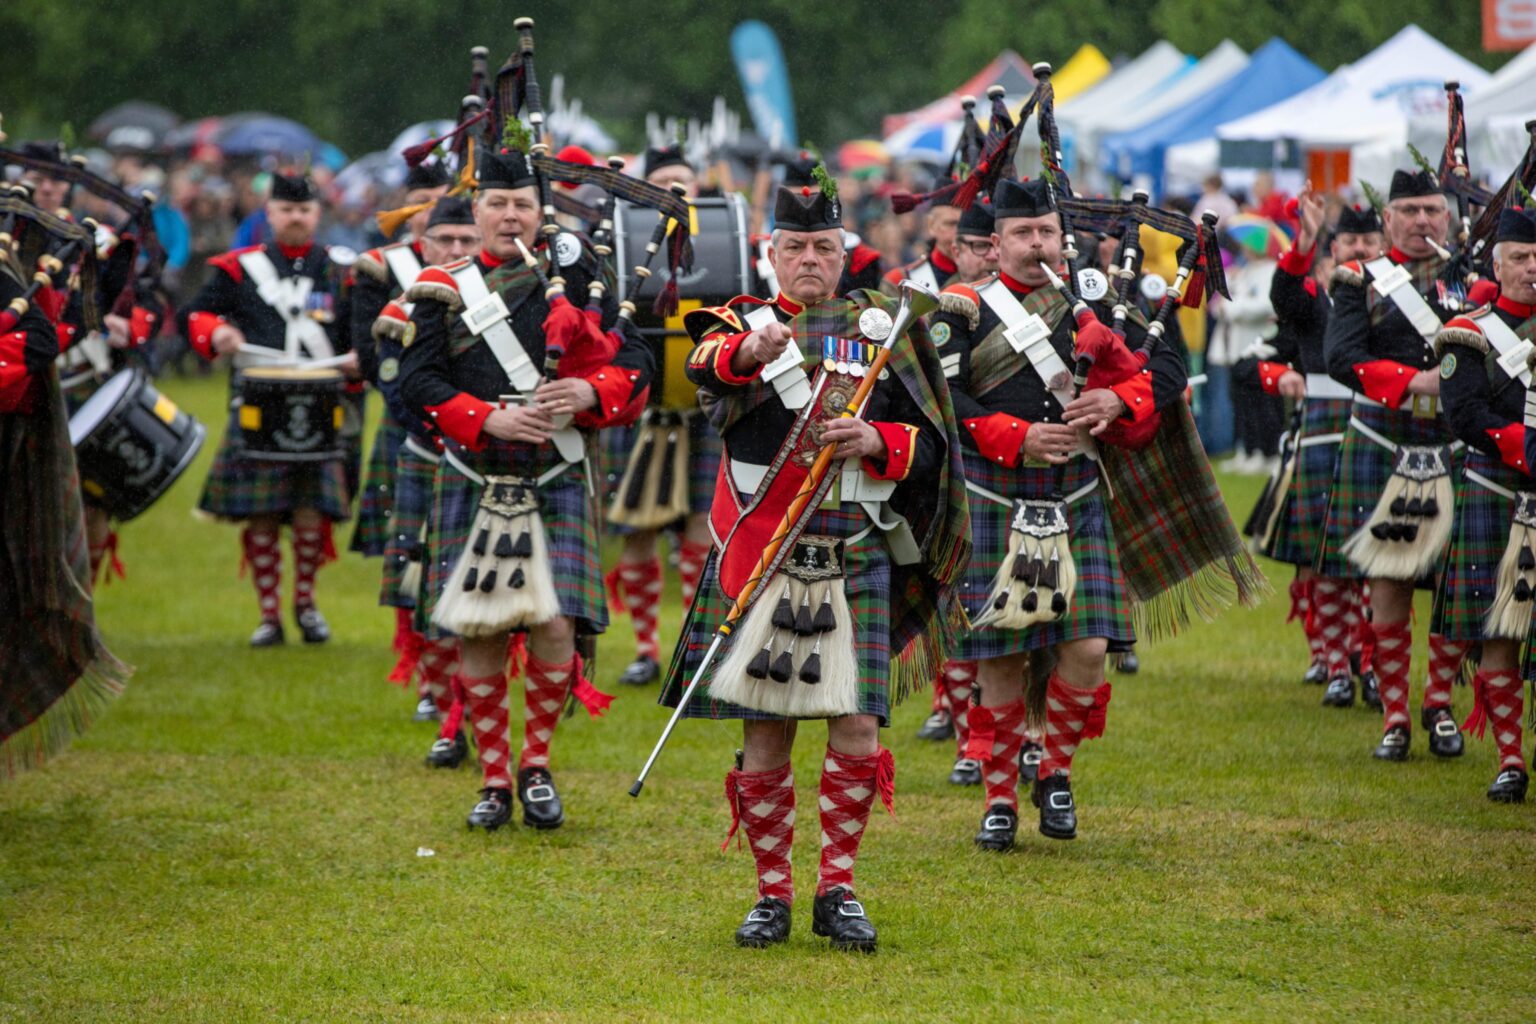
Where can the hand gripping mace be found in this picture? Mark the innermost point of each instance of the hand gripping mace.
(915, 302)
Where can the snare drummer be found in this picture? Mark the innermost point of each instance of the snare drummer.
(513, 526)
(280, 299)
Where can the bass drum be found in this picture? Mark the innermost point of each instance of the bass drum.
(131, 443)
(722, 270)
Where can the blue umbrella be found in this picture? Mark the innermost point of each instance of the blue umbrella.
(263, 134)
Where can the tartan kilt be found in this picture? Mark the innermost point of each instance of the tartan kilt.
(867, 583)
(704, 452)
(414, 480)
(370, 533)
(1478, 538)
(239, 488)
(1299, 527)
(1362, 472)
(569, 527)
(613, 448)
(1100, 606)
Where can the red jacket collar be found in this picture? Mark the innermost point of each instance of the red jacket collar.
(491, 262)
(943, 264)
(787, 304)
(293, 252)
(1514, 308)
(1017, 287)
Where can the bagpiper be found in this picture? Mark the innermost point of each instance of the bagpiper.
(55, 670)
(1391, 508)
(449, 236)
(1045, 587)
(1290, 529)
(514, 379)
(277, 304)
(1486, 589)
(667, 471)
(955, 687)
(379, 276)
(857, 613)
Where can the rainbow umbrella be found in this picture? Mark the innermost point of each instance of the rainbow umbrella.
(862, 155)
(1260, 236)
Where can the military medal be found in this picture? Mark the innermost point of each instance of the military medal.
(875, 324)
(842, 355)
(828, 353)
(860, 357)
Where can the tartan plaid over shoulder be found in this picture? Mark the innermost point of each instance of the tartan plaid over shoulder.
(926, 618)
(1182, 552)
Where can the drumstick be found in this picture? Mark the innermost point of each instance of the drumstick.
(276, 358)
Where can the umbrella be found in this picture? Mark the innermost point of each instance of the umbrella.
(380, 169)
(929, 143)
(862, 156)
(1259, 235)
(192, 134)
(256, 134)
(133, 125)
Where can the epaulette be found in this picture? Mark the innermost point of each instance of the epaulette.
(702, 321)
(1461, 330)
(391, 323)
(961, 300)
(229, 262)
(1350, 273)
(371, 264)
(862, 256)
(436, 284)
(895, 275)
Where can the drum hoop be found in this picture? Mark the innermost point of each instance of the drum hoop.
(107, 401)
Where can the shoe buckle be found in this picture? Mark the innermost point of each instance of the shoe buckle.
(757, 915)
(1033, 757)
(967, 764)
(997, 822)
(1394, 739)
(488, 807)
(1446, 727)
(539, 794)
(1059, 801)
(850, 908)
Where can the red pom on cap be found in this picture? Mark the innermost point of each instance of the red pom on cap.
(1291, 206)
(1357, 207)
(805, 190)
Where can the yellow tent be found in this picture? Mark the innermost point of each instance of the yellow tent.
(1085, 68)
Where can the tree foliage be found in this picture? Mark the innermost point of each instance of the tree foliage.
(358, 72)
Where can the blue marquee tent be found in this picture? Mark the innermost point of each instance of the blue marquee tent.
(1275, 73)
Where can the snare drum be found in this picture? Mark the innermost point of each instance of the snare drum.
(131, 443)
(289, 414)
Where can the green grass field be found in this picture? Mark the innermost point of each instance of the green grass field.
(238, 839)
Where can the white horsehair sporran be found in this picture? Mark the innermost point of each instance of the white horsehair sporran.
(793, 654)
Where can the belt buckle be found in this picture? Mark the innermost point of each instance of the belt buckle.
(1424, 407)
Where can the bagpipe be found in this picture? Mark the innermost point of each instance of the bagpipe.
(39, 244)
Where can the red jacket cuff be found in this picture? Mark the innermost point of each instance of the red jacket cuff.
(200, 328)
(142, 325)
(67, 334)
(716, 351)
(1511, 442)
(999, 437)
(1136, 393)
(1385, 380)
(1269, 376)
(15, 380)
(615, 387)
(461, 418)
(900, 445)
(1298, 264)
